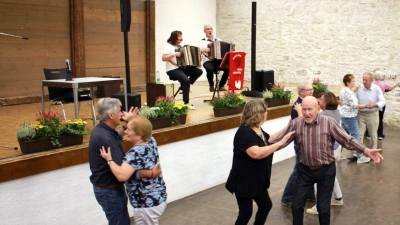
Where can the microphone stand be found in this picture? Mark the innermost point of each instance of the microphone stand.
(25, 38)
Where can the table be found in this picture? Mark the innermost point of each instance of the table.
(82, 82)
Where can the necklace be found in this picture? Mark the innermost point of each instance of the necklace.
(261, 136)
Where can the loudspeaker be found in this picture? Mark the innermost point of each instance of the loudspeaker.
(125, 7)
(134, 99)
(264, 79)
(153, 91)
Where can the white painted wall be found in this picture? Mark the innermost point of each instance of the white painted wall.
(65, 196)
(188, 16)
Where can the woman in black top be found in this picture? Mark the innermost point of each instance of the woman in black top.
(250, 175)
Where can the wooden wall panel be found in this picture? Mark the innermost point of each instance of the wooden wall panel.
(105, 43)
(46, 24)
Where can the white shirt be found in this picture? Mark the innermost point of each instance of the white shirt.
(204, 44)
(349, 101)
(170, 49)
(374, 94)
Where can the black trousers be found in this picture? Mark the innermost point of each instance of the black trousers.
(210, 67)
(306, 178)
(185, 76)
(380, 127)
(264, 204)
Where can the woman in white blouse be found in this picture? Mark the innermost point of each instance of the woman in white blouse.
(348, 113)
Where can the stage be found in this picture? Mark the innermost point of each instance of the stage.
(201, 121)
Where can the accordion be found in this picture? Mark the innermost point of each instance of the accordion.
(190, 56)
(218, 49)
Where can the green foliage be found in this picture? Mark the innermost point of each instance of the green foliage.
(278, 92)
(318, 86)
(229, 100)
(51, 127)
(164, 107)
(76, 127)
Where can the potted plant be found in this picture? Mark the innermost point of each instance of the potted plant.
(165, 112)
(180, 113)
(50, 132)
(319, 87)
(230, 103)
(278, 95)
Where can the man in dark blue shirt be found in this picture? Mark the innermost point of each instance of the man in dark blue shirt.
(109, 192)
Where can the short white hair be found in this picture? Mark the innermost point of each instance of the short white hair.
(379, 74)
(207, 24)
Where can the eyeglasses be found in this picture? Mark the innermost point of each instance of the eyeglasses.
(308, 89)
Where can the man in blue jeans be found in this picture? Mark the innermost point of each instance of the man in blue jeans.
(109, 192)
(304, 89)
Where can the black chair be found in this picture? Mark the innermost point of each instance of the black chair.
(60, 96)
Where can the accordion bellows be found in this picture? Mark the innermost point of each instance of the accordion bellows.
(190, 56)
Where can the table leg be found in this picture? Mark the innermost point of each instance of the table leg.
(76, 102)
(126, 96)
(41, 84)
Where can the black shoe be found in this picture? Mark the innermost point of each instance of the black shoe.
(287, 204)
(353, 159)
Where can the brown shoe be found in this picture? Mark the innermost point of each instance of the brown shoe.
(211, 89)
(222, 88)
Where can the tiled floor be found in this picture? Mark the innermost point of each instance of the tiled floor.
(371, 195)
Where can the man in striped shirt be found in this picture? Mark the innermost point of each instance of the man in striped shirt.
(316, 135)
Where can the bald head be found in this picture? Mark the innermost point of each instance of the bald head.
(310, 108)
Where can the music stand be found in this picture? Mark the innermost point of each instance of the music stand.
(216, 72)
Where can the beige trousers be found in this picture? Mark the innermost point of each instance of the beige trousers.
(148, 216)
(370, 121)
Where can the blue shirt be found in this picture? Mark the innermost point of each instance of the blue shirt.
(103, 135)
(374, 94)
(145, 192)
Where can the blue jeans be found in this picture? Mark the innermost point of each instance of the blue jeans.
(291, 184)
(114, 203)
(350, 125)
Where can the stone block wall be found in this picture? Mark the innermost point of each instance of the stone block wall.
(305, 39)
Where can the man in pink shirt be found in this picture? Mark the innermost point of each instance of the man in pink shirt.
(378, 80)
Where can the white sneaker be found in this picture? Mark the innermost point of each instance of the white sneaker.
(363, 159)
(337, 202)
(312, 210)
(191, 107)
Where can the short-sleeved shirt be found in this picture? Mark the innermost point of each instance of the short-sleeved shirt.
(146, 192)
(170, 49)
(248, 177)
(348, 98)
(103, 135)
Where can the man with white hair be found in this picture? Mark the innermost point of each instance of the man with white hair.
(212, 66)
(109, 192)
(371, 95)
(379, 74)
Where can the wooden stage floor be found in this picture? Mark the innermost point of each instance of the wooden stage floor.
(14, 115)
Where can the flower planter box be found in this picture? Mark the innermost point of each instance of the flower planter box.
(218, 112)
(182, 119)
(45, 144)
(277, 102)
(161, 122)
